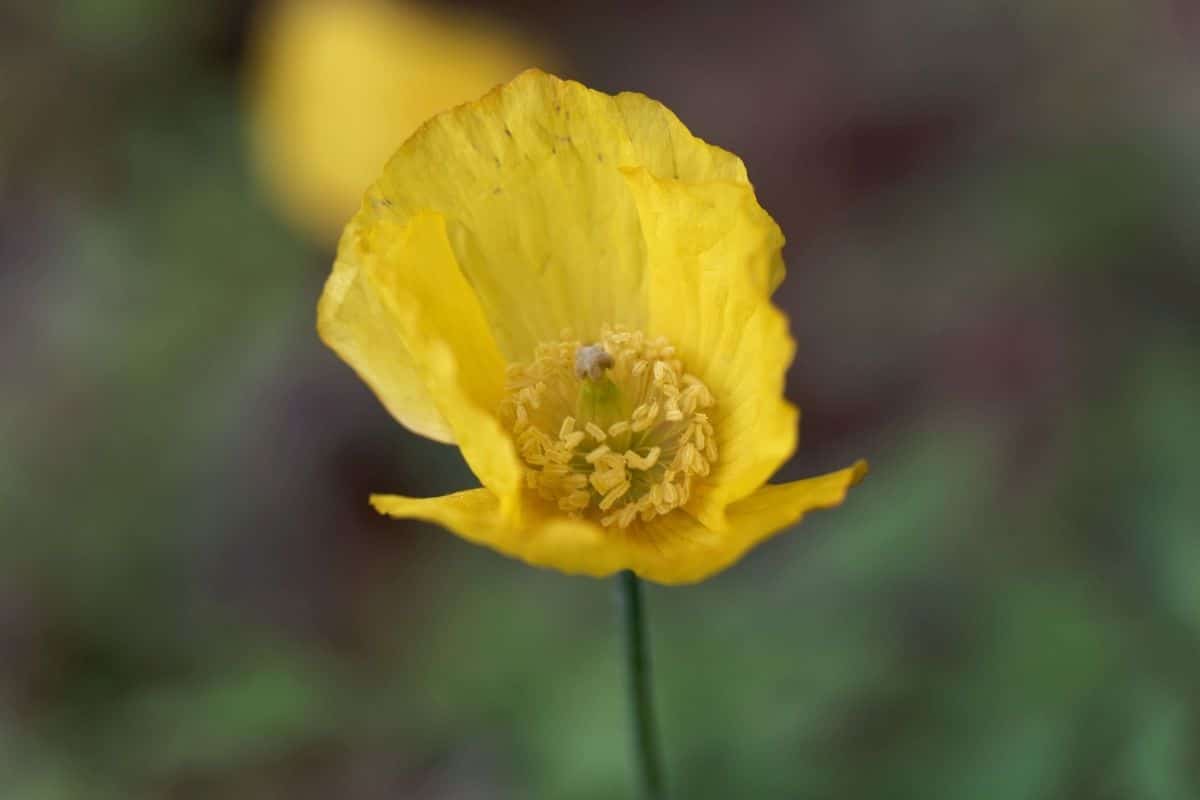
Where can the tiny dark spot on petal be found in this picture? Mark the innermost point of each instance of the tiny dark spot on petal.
(507, 132)
(497, 160)
(497, 190)
(600, 157)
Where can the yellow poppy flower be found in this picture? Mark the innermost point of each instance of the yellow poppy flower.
(335, 86)
(576, 291)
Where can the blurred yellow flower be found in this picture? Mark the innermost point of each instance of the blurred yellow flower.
(337, 85)
(576, 291)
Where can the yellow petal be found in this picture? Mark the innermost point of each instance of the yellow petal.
(714, 259)
(336, 87)
(674, 549)
(537, 211)
(701, 552)
(541, 538)
(666, 148)
(546, 206)
(398, 309)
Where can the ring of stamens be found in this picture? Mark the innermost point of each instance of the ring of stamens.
(614, 429)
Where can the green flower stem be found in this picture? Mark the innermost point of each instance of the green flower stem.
(637, 668)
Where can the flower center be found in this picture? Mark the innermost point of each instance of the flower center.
(614, 429)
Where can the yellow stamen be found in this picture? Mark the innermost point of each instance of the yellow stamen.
(622, 391)
(642, 462)
(605, 482)
(617, 428)
(615, 494)
(595, 455)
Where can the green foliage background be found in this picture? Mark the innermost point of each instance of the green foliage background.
(995, 281)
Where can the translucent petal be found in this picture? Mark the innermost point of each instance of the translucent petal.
(674, 549)
(714, 258)
(537, 211)
(398, 309)
(546, 206)
(538, 536)
(702, 552)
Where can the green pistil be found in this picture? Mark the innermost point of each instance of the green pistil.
(599, 402)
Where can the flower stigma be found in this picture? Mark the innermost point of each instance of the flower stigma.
(615, 430)
(591, 360)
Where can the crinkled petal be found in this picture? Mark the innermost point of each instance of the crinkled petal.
(714, 259)
(538, 214)
(541, 538)
(554, 207)
(673, 549)
(399, 310)
(702, 552)
(665, 147)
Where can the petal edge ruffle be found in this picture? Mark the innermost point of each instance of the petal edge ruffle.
(416, 335)
(714, 258)
(673, 550)
(537, 211)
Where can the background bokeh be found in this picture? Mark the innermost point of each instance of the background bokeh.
(995, 284)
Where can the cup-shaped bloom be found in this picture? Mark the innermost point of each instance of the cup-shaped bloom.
(575, 291)
(335, 86)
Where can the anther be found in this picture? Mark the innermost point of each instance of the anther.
(617, 428)
(643, 462)
(632, 432)
(614, 494)
(596, 454)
